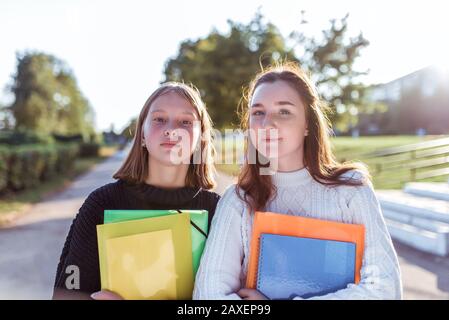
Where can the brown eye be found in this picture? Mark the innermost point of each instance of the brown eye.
(257, 113)
(159, 120)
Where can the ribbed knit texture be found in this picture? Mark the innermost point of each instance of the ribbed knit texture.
(81, 249)
(224, 263)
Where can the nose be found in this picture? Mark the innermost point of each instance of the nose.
(269, 122)
(171, 133)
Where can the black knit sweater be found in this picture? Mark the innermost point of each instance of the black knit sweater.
(81, 248)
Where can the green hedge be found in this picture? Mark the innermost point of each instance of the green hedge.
(4, 156)
(22, 137)
(89, 150)
(27, 166)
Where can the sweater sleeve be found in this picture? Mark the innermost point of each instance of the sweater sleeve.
(80, 252)
(220, 270)
(380, 273)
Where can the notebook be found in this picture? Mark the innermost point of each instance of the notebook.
(294, 266)
(296, 226)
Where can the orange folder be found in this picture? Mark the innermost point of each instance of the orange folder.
(295, 226)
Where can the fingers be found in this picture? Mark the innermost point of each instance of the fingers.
(242, 293)
(105, 295)
(245, 293)
(251, 294)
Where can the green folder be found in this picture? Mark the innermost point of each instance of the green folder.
(198, 220)
(147, 258)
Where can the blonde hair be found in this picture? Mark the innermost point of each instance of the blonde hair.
(135, 167)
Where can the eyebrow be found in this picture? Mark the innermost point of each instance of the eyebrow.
(278, 103)
(184, 112)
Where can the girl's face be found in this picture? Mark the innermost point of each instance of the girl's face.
(171, 130)
(277, 123)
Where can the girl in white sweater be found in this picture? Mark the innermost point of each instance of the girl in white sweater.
(289, 168)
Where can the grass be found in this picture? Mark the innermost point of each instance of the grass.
(14, 204)
(229, 169)
(348, 148)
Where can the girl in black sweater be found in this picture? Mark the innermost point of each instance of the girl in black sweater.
(168, 167)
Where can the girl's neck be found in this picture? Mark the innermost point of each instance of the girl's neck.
(167, 177)
(288, 163)
(291, 178)
(289, 167)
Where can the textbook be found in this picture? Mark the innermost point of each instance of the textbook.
(198, 221)
(147, 258)
(297, 226)
(295, 266)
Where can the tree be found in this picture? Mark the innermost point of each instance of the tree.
(75, 115)
(330, 61)
(5, 118)
(129, 131)
(221, 64)
(47, 97)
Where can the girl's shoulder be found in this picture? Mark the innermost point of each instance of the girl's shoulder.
(209, 200)
(210, 195)
(363, 184)
(232, 192)
(233, 198)
(356, 175)
(100, 199)
(111, 187)
(108, 192)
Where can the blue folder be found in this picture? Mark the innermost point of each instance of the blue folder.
(293, 266)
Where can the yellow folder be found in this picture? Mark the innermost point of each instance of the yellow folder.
(148, 258)
(137, 266)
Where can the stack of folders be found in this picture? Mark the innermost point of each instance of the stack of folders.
(151, 254)
(292, 256)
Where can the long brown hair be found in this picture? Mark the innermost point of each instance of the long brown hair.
(135, 168)
(318, 156)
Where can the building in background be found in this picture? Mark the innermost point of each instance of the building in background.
(417, 103)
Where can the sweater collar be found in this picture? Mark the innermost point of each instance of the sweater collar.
(174, 197)
(291, 178)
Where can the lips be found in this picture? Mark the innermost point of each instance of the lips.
(169, 144)
(272, 140)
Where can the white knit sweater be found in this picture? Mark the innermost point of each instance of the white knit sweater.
(224, 263)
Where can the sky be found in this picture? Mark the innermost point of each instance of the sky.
(117, 49)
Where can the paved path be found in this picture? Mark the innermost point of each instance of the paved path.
(29, 250)
(424, 276)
